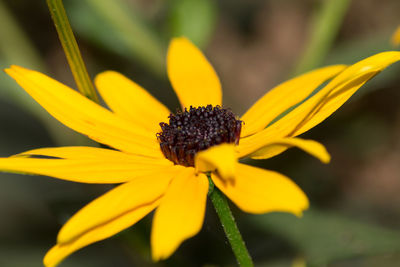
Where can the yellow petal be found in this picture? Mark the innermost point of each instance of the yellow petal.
(180, 214)
(258, 191)
(122, 199)
(340, 89)
(318, 107)
(192, 76)
(102, 170)
(221, 158)
(263, 150)
(130, 101)
(83, 115)
(284, 96)
(395, 40)
(90, 153)
(60, 251)
(288, 125)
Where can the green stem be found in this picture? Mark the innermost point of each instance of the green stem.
(68, 41)
(15, 46)
(141, 41)
(228, 223)
(324, 28)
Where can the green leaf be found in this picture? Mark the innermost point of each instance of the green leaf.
(120, 28)
(324, 237)
(16, 48)
(326, 23)
(194, 19)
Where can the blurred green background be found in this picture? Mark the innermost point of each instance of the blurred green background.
(354, 219)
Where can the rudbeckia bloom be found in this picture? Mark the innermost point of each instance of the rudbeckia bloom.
(161, 160)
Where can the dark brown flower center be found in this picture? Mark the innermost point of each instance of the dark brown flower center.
(197, 129)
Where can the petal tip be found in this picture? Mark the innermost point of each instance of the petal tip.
(51, 259)
(102, 76)
(302, 205)
(13, 69)
(159, 254)
(64, 235)
(326, 159)
(10, 69)
(323, 155)
(179, 39)
(175, 44)
(157, 257)
(300, 212)
(7, 70)
(105, 73)
(61, 237)
(18, 68)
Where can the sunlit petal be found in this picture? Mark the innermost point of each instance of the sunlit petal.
(101, 170)
(180, 214)
(130, 101)
(85, 153)
(221, 158)
(192, 76)
(340, 89)
(284, 96)
(120, 200)
(256, 190)
(318, 107)
(263, 150)
(60, 251)
(83, 115)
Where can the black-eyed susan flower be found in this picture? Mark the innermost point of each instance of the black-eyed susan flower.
(161, 159)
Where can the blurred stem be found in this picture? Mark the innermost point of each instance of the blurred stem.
(17, 48)
(228, 223)
(14, 45)
(142, 42)
(71, 49)
(325, 26)
(194, 19)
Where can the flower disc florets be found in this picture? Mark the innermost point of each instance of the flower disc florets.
(197, 129)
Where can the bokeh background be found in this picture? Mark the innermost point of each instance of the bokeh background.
(354, 219)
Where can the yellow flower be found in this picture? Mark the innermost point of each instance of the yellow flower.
(196, 141)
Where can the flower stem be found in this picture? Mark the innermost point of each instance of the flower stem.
(70, 46)
(132, 32)
(325, 26)
(228, 223)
